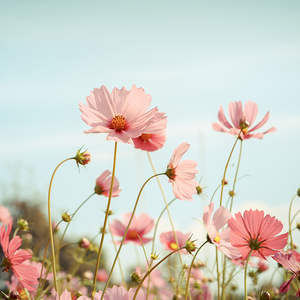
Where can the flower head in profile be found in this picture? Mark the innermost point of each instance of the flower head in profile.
(14, 259)
(242, 120)
(5, 216)
(221, 239)
(169, 241)
(256, 232)
(182, 174)
(152, 139)
(103, 183)
(122, 114)
(82, 157)
(288, 261)
(138, 228)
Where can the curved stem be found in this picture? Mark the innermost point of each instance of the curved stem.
(61, 240)
(124, 236)
(50, 224)
(290, 225)
(227, 164)
(235, 177)
(119, 261)
(245, 277)
(218, 272)
(166, 204)
(190, 269)
(145, 276)
(153, 241)
(212, 197)
(105, 221)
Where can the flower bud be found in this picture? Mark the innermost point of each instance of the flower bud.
(78, 294)
(224, 182)
(84, 243)
(55, 227)
(190, 246)
(66, 217)
(82, 158)
(102, 275)
(233, 287)
(231, 193)
(69, 277)
(298, 193)
(88, 275)
(199, 189)
(265, 295)
(14, 295)
(23, 225)
(136, 277)
(154, 256)
(298, 226)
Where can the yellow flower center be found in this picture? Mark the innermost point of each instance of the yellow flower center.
(132, 234)
(173, 246)
(145, 137)
(217, 238)
(118, 123)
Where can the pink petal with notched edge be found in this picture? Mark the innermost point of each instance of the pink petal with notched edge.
(222, 118)
(261, 123)
(250, 112)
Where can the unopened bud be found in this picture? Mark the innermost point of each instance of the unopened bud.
(224, 182)
(14, 295)
(23, 225)
(78, 294)
(136, 277)
(199, 189)
(82, 158)
(231, 193)
(84, 243)
(265, 295)
(177, 297)
(298, 226)
(69, 277)
(88, 275)
(298, 193)
(199, 264)
(190, 246)
(66, 217)
(233, 287)
(154, 256)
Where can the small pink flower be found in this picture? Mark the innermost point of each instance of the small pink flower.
(84, 243)
(122, 114)
(102, 275)
(116, 293)
(14, 260)
(241, 120)
(288, 261)
(152, 139)
(169, 241)
(103, 183)
(139, 226)
(254, 231)
(220, 239)
(182, 174)
(5, 217)
(262, 266)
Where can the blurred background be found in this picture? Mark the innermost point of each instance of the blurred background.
(191, 57)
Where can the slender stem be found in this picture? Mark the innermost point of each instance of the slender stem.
(145, 276)
(124, 236)
(153, 242)
(50, 224)
(61, 240)
(166, 204)
(223, 181)
(212, 197)
(290, 225)
(119, 261)
(105, 221)
(295, 215)
(236, 174)
(190, 269)
(245, 277)
(218, 272)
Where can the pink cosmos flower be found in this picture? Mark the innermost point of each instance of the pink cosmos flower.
(139, 226)
(151, 141)
(102, 275)
(116, 293)
(290, 263)
(122, 114)
(182, 174)
(219, 220)
(262, 266)
(14, 260)
(241, 120)
(103, 183)
(254, 231)
(5, 217)
(169, 241)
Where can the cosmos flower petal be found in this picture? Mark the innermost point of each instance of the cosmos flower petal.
(250, 112)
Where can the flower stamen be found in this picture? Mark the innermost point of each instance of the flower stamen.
(118, 123)
(145, 137)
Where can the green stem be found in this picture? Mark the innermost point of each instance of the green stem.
(145, 276)
(190, 269)
(212, 197)
(124, 236)
(227, 164)
(50, 224)
(218, 272)
(119, 261)
(290, 226)
(236, 174)
(105, 221)
(245, 277)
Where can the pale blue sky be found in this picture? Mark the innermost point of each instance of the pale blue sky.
(190, 56)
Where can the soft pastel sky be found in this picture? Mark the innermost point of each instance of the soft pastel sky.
(191, 56)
